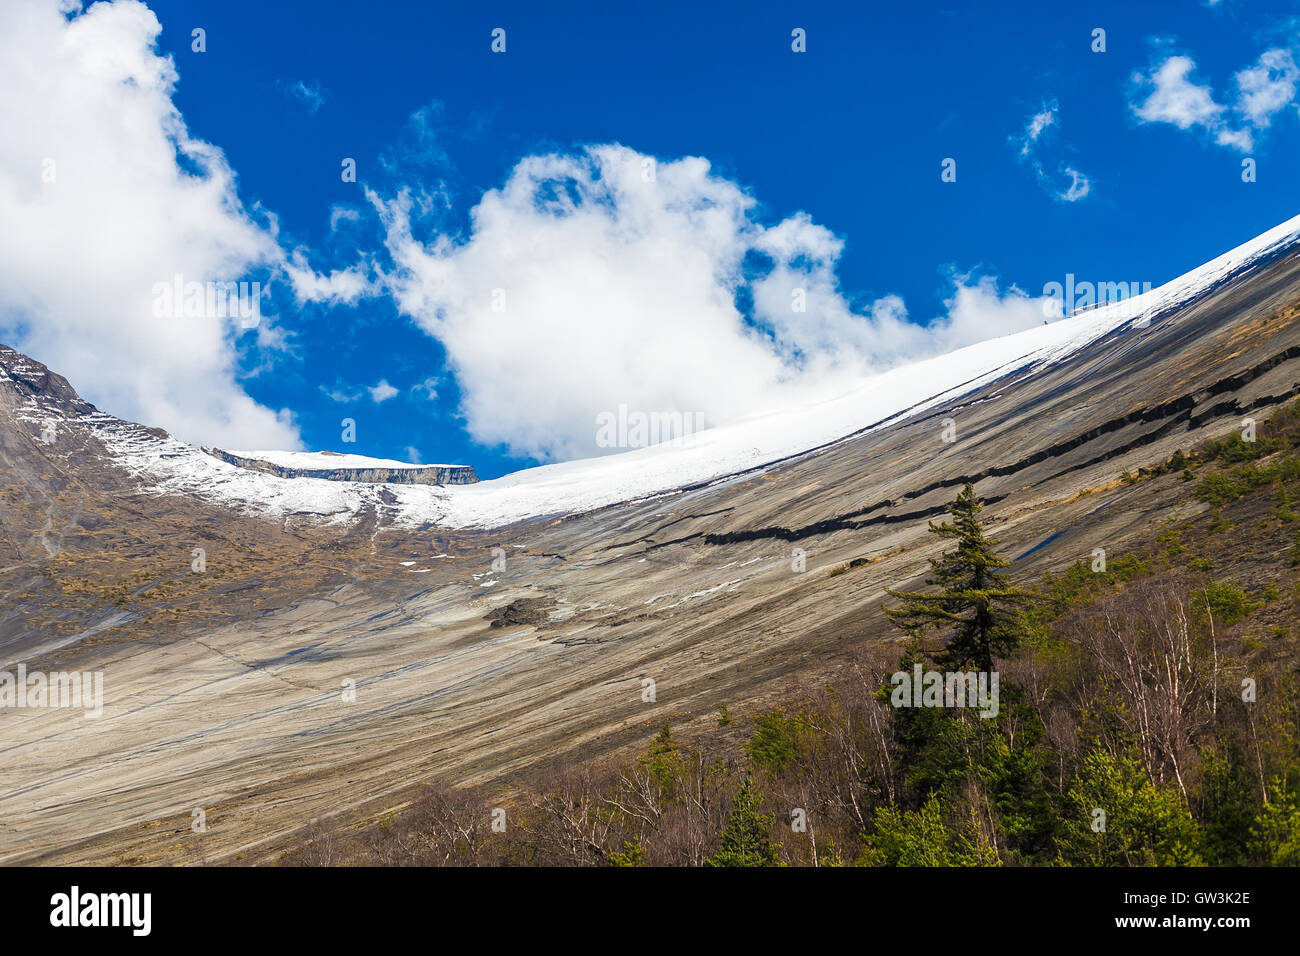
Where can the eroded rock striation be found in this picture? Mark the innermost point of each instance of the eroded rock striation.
(431, 475)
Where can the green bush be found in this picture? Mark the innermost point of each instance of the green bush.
(923, 838)
(775, 743)
(1227, 602)
(1144, 824)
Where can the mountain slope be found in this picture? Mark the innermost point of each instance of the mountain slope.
(481, 647)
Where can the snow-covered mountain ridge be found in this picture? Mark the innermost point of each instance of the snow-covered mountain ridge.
(164, 465)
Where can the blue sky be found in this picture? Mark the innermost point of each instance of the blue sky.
(851, 133)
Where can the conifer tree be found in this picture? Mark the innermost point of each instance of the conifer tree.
(979, 606)
(745, 841)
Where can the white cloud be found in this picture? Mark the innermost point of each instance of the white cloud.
(309, 94)
(341, 214)
(1168, 94)
(419, 147)
(428, 388)
(134, 201)
(1032, 143)
(339, 287)
(978, 310)
(381, 392)
(342, 395)
(1080, 185)
(1266, 87)
(585, 282)
(1172, 97)
(1037, 124)
(1242, 140)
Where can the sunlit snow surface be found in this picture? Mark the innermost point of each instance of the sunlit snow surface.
(170, 466)
(325, 460)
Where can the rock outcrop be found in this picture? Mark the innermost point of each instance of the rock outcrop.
(431, 475)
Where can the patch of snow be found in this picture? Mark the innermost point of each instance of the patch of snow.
(706, 591)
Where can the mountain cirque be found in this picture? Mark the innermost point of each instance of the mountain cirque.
(223, 688)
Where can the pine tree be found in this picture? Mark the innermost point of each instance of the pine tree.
(663, 759)
(981, 608)
(745, 840)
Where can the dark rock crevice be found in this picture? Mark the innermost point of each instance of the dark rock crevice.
(1174, 413)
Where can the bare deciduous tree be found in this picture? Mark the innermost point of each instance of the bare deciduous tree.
(1142, 642)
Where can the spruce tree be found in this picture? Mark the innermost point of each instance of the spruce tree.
(980, 607)
(745, 841)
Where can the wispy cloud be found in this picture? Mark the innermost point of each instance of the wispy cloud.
(339, 394)
(379, 392)
(341, 214)
(1080, 185)
(1034, 140)
(419, 147)
(1037, 124)
(310, 95)
(428, 388)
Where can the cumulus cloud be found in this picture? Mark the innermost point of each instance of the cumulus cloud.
(1168, 93)
(1173, 97)
(105, 198)
(1031, 144)
(606, 278)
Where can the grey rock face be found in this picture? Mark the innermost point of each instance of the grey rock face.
(228, 681)
(32, 380)
(433, 475)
